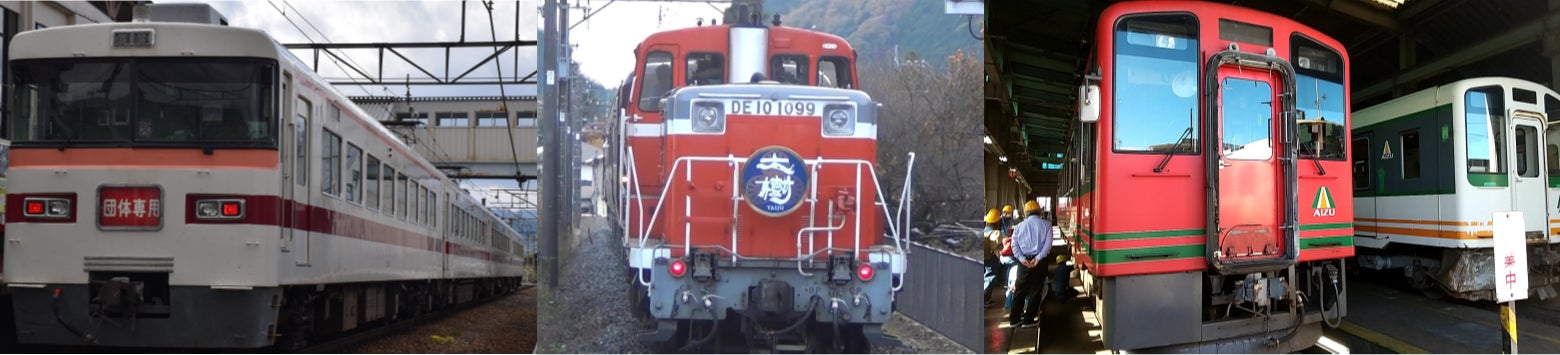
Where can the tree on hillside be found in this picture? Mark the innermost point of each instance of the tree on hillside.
(935, 113)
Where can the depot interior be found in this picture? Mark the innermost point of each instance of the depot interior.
(1036, 52)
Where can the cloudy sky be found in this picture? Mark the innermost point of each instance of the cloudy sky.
(603, 43)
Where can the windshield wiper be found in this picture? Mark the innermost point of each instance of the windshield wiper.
(64, 132)
(1190, 123)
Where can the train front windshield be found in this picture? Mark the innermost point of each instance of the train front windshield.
(144, 102)
(1319, 86)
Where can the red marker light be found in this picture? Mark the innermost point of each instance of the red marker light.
(34, 207)
(230, 209)
(864, 272)
(678, 268)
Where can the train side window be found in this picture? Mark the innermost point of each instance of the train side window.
(1410, 144)
(414, 203)
(1552, 157)
(1360, 152)
(354, 173)
(371, 185)
(706, 69)
(789, 68)
(389, 187)
(1526, 139)
(657, 81)
(433, 205)
(330, 164)
(400, 196)
(1484, 112)
(834, 72)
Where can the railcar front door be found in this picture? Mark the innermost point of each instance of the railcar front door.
(1250, 186)
(1527, 174)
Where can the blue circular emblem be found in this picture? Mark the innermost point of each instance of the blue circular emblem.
(774, 181)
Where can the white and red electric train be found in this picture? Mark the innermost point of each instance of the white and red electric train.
(194, 185)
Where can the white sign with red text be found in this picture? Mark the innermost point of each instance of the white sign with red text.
(1511, 279)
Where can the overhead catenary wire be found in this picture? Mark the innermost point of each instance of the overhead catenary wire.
(502, 96)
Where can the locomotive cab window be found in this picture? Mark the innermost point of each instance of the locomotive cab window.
(657, 81)
(705, 69)
(789, 69)
(834, 72)
(1156, 85)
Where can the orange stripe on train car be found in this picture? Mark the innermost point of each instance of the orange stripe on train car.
(150, 158)
(1419, 232)
(1420, 221)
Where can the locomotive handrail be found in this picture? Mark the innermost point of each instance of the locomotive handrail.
(734, 161)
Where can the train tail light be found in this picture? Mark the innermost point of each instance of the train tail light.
(219, 209)
(678, 268)
(46, 207)
(865, 272)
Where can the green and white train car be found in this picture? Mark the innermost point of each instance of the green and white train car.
(1431, 168)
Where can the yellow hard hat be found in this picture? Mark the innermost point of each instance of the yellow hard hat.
(1031, 206)
(993, 216)
(1007, 209)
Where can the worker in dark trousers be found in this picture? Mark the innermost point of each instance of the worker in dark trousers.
(1031, 245)
(995, 271)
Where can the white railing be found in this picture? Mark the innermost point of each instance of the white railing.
(685, 165)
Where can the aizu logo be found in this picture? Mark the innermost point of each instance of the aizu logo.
(1323, 205)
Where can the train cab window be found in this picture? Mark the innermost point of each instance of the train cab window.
(1484, 111)
(1526, 139)
(1361, 163)
(493, 119)
(789, 69)
(1319, 97)
(452, 119)
(419, 117)
(834, 72)
(388, 180)
(1156, 80)
(1410, 144)
(330, 164)
(658, 80)
(354, 173)
(1248, 120)
(156, 101)
(371, 183)
(1551, 108)
(705, 69)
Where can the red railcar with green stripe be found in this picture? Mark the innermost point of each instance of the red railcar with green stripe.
(1207, 185)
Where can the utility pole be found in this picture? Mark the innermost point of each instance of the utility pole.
(549, 190)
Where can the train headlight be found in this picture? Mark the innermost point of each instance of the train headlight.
(708, 117)
(839, 120)
(46, 207)
(219, 209)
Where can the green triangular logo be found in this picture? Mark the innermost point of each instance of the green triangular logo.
(1323, 200)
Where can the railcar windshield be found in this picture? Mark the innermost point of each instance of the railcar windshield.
(144, 102)
(1156, 84)
(1319, 85)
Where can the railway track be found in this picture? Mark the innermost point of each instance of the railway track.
(340, 344)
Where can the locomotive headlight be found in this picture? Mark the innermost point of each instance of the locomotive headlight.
(839, 120)
(708, 117)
